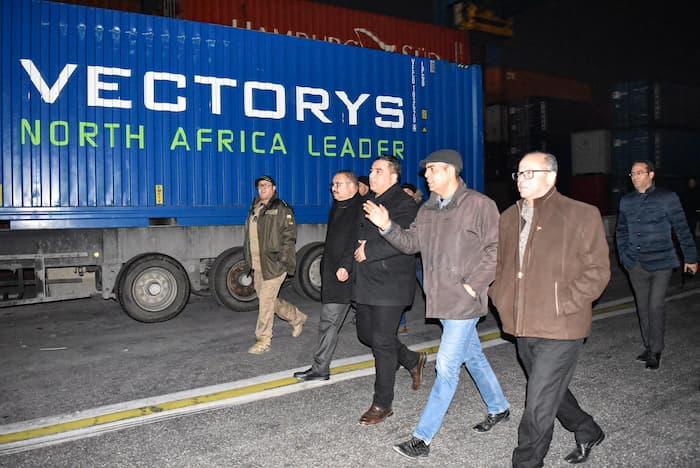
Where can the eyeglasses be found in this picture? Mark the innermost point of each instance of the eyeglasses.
(338, 184)
(529, 174)
(638, 173)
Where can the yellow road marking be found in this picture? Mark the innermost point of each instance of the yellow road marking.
(116, 416)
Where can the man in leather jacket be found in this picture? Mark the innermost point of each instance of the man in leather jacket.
(269, 248)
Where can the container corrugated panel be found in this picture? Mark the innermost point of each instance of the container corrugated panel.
(590, 152)
(113, 118)
(541, 115)
(674, 152)
(496, 123)
(649, 103)
(328, 23)
(503, 84)
(133, 6)
(592, 189)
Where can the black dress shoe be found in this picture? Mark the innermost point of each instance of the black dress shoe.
(653, 361)
(490, 421)
(644, 357)
(582, 451)
(309, 374)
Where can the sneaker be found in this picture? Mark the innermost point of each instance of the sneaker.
(490, 421)
(259, 347)
(296, 329)
(403, 330)
(413, 448)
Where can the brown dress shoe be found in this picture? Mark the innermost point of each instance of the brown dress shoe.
(417, 372)
(374, 415)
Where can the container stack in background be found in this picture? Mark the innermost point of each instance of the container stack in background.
(659, 122)
(528, 111)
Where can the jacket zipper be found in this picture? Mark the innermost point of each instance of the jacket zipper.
(556, 297)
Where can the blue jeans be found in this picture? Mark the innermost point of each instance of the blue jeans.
(459, 344)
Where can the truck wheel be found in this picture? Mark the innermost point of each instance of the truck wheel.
(307, 281)
(233, 285)
(154, 288)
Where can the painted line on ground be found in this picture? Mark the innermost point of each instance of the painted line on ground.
(43, 432)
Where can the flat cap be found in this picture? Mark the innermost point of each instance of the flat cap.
(267, 178)
(447, 156)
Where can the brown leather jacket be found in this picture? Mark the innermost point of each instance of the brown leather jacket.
(277, 235)
(566, 267)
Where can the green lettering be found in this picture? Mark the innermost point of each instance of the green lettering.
(398, 149)
(201, 138)
(242, 140)
(382, 147)
(225, 137)
(310, 139)
(85, 135)
(329, 146)
(254, 142)
(52, 132)
(365, 148)
(179, 139)
(134, 136)
(278, 144)
(111, 127)
(347, 148)
(34, 136)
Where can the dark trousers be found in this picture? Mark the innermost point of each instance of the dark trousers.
(549, 366)
(332, 319)
(650, 294)
(376, 328)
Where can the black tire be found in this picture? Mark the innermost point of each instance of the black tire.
(154, 288)
(232, 286)
(307, 281)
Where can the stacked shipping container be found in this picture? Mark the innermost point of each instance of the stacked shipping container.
(531, 111)
(659, 122)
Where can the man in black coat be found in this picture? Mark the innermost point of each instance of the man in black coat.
(336, 267)
(385, 282)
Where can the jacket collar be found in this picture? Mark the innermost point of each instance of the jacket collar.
(539, 201)
(433, 202)
(349, 201)
(648, 191)
(273, 201)
(388, 194)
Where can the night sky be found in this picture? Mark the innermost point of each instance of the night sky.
(599, 41)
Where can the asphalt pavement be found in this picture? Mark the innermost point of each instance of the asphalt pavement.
(203, 401)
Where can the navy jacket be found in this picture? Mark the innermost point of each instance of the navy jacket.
(644, 228)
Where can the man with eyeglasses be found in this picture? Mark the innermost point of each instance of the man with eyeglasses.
(336, 269)
(552, 264)
(269, 250)
(646, 219)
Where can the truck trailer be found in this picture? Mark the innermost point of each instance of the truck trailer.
(131, 143)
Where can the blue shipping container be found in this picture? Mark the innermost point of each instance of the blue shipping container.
(648, 103)
(673, 152)
(111, 118)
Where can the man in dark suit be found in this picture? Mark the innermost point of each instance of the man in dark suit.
(384, 286)
(336, 268)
